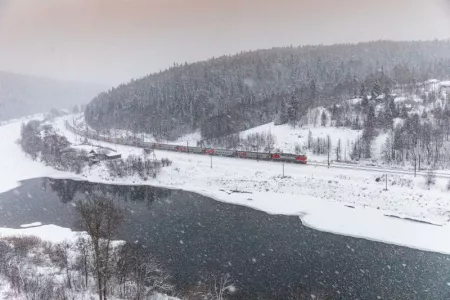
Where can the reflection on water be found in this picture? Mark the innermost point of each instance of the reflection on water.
(267, 256)
(66, 190)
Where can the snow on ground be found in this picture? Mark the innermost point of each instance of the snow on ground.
(378, 145)
(49, 233)
(189, 139)
(287, 137)
(348, 202)
(34, 224)
(14, 164)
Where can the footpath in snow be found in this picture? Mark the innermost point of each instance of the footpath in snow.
(347, 202)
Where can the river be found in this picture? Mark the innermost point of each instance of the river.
(267, 256)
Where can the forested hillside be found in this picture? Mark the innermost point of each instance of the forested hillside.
(22, 95)
(232, 93)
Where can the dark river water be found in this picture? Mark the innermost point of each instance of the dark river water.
(267, 257)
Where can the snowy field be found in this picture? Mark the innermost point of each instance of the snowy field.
(287, 137)
(347, 202)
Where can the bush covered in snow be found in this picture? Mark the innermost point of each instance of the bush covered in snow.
(136, 165)
(34, 269)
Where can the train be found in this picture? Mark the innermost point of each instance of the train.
(148, 146)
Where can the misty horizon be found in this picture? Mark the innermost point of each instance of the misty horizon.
(113, 42)
(109, 85)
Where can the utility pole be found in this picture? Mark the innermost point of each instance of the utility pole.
(415, 166)
(418, 151)
(328, 140)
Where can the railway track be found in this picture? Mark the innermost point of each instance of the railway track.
(253, 155)
(278, 157)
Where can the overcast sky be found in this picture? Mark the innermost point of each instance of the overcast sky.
(112, 41)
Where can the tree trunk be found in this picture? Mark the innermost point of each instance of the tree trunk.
(86, 274)
(99, 286)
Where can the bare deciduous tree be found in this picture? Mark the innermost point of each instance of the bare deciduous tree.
(61, 258)
(139, 274)
(82, 260)
(101, 219)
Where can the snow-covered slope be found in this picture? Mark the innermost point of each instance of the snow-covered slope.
(288, 137)
(349, 202)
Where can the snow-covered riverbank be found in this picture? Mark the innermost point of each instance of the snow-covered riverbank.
(348, 202)
(36, 258)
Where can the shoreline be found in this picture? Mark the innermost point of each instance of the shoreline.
(272, 195)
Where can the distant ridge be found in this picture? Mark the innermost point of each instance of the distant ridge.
(24, 94)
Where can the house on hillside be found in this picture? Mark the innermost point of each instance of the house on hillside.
(94, 156)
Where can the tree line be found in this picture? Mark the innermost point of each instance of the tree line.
(228, 94)
(41, 142)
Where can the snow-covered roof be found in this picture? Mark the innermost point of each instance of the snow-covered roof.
(355, 101)
(432, 81)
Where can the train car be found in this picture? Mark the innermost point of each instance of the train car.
(241, 154)
(224, 152)
(167, 147)
(147, 145)
(181, 148)
(287, 157)
(258, 155)
(209, 151)
(302, 159)
(196, 150)
(275, 156)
